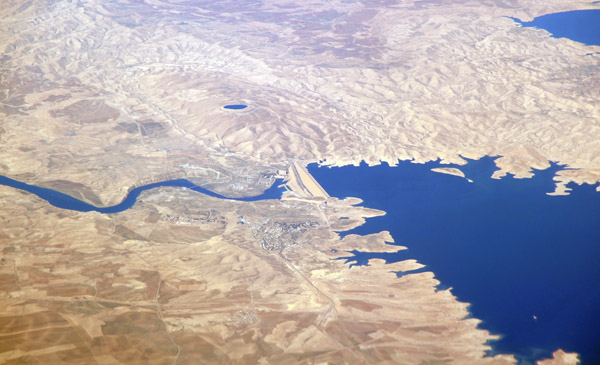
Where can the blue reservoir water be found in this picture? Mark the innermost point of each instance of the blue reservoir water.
(65, 201)
(579, 25)
(528, 263)
(235, 106)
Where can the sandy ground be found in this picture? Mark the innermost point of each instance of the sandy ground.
(166, 282)
(183, 278)
(138, 90)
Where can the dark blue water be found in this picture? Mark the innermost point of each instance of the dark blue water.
(579, 25)
(235, 106)
(502, 245)
(65, 201)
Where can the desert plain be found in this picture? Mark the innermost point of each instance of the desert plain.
(99, 97)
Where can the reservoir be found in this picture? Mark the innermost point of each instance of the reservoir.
(527, 262)
(579, 25)
(65, 201)
(235, 106)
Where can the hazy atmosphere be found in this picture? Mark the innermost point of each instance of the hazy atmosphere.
(161, 200)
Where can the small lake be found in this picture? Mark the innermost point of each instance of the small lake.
(579, 25)
(235, 106)
(65, 201)
(527, 262)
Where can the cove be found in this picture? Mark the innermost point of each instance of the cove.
(578, 25)
(527, 262)
(65, 201)
(235, 106)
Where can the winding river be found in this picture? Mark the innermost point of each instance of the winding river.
(64, 201)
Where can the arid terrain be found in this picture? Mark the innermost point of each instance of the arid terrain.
(98, 97)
